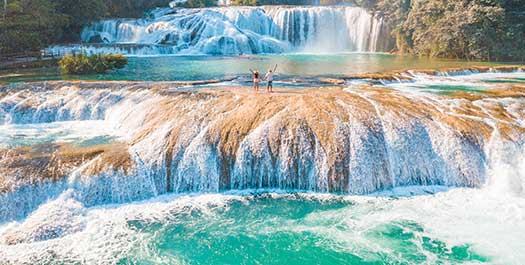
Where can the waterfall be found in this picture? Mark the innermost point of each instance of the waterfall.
(237, 30)
(353, 141)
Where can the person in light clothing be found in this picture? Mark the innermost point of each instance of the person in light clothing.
(269, 78)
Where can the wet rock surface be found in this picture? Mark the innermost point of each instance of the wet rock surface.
(328, 139)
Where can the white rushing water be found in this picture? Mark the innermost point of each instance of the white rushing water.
(83, 132)
(463, 80)
(380, 147)
(399, 158)
(422, 229)
(237, 30)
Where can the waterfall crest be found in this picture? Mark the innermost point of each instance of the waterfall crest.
(357, 141)
(238, 30)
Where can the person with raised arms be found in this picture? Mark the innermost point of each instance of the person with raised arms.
(269, 78)
(256, 79)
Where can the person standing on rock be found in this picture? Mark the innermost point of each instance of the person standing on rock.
(256, 79)
(269, 78)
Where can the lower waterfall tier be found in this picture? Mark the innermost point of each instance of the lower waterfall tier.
(353, 141)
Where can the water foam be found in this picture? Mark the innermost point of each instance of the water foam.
(468, 80)
(458, 226)
(177, 141)
(87, 218)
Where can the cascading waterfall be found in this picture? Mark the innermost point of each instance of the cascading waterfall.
(356, 141)
(237, 30)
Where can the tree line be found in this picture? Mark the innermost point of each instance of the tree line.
(29, 25)
(466, 29)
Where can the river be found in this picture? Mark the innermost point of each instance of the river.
(421, 162)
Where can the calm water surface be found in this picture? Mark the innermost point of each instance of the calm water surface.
(169, 68)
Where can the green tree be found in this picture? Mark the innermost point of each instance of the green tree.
(94, 64)
(79, 13)
(468, 29)
(5, 10)
(455, 29)
(132, 8)
(30, 25)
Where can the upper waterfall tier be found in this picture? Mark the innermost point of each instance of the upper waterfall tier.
(239, 30)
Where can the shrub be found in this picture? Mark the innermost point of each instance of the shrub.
(118, 60)
(94, 64)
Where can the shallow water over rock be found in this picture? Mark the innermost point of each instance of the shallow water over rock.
(353, 140)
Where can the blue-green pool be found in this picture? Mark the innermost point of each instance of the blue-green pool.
(169, 68)
(458, 226)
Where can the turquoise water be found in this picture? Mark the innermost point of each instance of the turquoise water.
(290, 229)
(168, 68)
(81, 133)
(471, 82)
(458, 226)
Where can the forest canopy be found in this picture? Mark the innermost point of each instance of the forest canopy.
(466, 29)
(29, 25)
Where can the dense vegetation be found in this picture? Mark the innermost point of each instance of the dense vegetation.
(94, 64)
(468, 29)
(28, 25)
